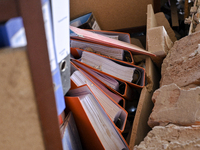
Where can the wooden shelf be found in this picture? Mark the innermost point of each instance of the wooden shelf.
(31, 12)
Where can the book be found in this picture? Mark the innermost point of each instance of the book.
(69, 134)
(86, 35)
(96, 130)
(115, 112)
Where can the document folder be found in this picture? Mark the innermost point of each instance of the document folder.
(60, 102)
(86, 21)
(112, 65)
(105, 51)
(124, 90)
(60, 21)
(12, 33)
(96, 130)
(96, 38)
(69, 134)
(116, 113)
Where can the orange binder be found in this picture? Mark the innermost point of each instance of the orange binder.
(122, 114)
(127, 58)
(124, 90)
(89, 134)
(140, 83)
(86, 35)
(122, 36)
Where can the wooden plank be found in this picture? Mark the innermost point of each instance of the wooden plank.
(174, 14)
(140, 127)
(8, 9)
(38, 56)
(151, 19)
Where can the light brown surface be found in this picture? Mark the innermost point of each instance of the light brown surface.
(156, 40)
(171, 137)
(162, 21)
(175, 105)
(140, 127)
(182, 64)
(20, 125)
(112, 14)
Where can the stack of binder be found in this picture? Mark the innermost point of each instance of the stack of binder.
(103, 78)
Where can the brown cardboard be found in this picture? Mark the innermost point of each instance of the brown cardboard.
(140, 127)
(20, 124)
(112, 14)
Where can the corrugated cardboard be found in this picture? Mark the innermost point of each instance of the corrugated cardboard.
(113, 14)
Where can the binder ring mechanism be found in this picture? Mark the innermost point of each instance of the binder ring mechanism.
(63, 65)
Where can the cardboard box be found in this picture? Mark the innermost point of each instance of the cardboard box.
(112, 14)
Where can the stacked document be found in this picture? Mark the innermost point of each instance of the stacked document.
(112, 109)
(103, 134)
(116, 53)
(108, 66)
(111, 82)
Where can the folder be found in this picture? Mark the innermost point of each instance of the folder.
(60, 21)
(87, 21)
(69, 134)
(122, 36)
(98, 63)
(104, 51)
(117, 98)
(85, 35)
(59, 95)
(116, 113)
(124, 90)
(96, 130)
(12, 33)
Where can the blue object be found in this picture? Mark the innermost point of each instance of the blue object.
(12, 33)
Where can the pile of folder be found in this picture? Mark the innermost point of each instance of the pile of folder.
(104, 79)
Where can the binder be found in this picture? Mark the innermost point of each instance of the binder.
(12, 33)
(122, 36)
(141, 71)
(69, 134)
(118, 99)
(92, 131)
(59, 96)
(124, 90)
(60, 21)
(116, 113)
(87, 21)
(97, 38)
(104, 51)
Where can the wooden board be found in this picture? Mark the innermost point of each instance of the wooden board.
(140, 127)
